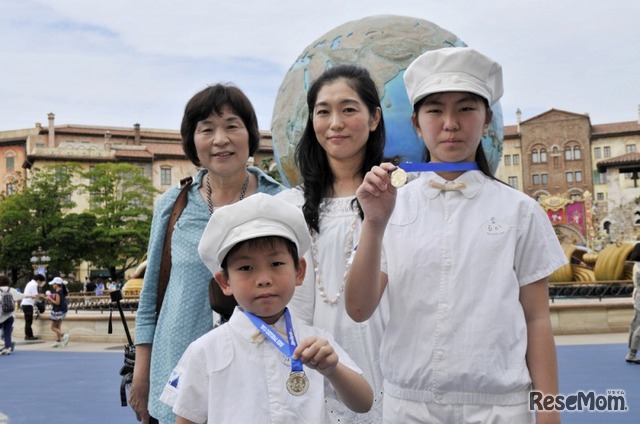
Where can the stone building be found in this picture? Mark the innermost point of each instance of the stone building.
(158, 152)
(562, 153)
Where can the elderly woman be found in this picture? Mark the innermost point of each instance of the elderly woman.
(219, 132)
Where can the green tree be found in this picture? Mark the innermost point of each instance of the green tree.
(121, 198)
(29, 218)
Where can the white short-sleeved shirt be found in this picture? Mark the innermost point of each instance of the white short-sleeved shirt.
(233, 375)
(455, 262)
(340, 231)
(31, 289)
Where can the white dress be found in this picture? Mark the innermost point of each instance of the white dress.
(339, 229)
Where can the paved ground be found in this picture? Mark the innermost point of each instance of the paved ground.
(80, 383)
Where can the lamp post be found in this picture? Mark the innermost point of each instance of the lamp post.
(40, 260)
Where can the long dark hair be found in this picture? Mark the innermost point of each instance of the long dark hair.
(480, 158)
(310, 156)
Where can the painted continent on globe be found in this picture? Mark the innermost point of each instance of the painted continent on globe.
(385, 45)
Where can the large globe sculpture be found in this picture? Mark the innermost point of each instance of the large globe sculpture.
(385, 45)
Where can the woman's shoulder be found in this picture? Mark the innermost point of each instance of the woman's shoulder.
(293, 195)
(266, 184)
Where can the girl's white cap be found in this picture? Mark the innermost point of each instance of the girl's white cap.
(453, 69)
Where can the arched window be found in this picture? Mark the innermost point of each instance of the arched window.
(577, 154)
(535, 157)
(568, 153)
(543, 156)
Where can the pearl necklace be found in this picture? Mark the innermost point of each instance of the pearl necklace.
(316, 266)
(243, 191)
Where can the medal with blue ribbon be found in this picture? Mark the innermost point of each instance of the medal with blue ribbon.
(399, 175)
(297, 383)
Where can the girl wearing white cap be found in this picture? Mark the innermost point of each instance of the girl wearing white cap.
(343, 138)
(463, 259)
(59, 310)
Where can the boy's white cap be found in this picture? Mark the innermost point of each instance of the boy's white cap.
(259, 215)
(453, 69)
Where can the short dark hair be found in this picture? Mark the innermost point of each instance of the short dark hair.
(39, 277)
(4, 281)
(267, 242)
(214, 99)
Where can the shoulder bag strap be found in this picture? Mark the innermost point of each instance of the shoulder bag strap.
(165, 263)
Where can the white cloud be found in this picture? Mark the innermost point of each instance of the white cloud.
(119, 62)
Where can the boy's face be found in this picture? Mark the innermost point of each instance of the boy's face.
(262, 279)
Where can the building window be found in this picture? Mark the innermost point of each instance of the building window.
(507, 160)
(10, 163)
(568, 153)
(578, 176)
(575, 196)
(569, 176)
(602, 178)
(516, 159)
(535, 158)
(11, 189)
(600, 197)
(607, 151)
(513, 182)
(543, 156)
(577, 153)
(536, 179)
(630, 148)
(165, 176)
(597, 152)
(545, 179)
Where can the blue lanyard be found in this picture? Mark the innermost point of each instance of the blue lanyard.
(287, 348)
(438, 166)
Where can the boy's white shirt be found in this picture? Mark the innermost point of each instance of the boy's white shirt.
(233, 362)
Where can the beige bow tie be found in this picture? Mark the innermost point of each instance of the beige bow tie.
(447, 186)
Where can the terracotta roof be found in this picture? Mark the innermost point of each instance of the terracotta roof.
(166, 149)
(628, 160)
(615, 128)
(510, 130)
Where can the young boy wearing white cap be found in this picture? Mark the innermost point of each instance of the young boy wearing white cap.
(263, 354)
(464, 259)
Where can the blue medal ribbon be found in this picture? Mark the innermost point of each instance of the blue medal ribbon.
(438, 166)
(287, 348)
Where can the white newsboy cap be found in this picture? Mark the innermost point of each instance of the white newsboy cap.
(453, 69)
(259, 215)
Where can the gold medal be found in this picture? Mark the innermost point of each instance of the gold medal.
(297, 383)
(398, 178)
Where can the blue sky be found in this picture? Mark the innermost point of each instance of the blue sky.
(121, 62)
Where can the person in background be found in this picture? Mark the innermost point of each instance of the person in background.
(464, 260)
(343, 138)
(58, 298)
(31, 295)
(254, 248)
(219, 133)
(99, 288)
(7, 318)
(634, 327)
(91, 287)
